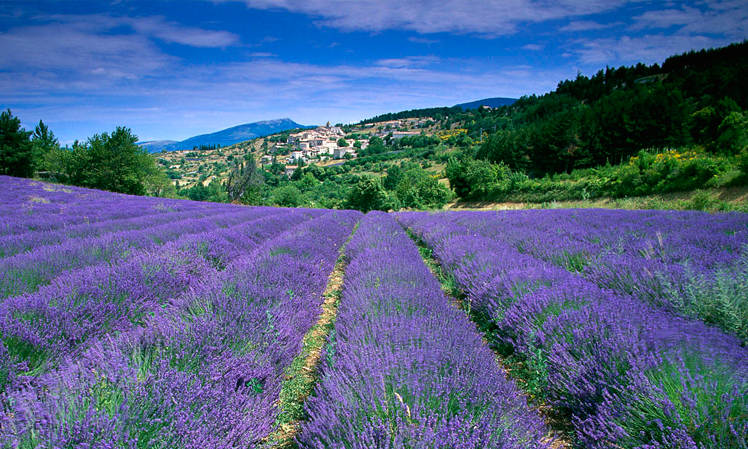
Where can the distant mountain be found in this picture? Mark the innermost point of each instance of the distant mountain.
(490, 102)
(154, 146)
(226, 137)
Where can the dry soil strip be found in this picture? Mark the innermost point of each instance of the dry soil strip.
(558, 436)
(301, 376)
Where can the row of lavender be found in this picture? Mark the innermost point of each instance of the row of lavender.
(39, 329)
(405, 368)
(178, 346)
(690, 263)
(26, 272)
(29, 206)
(627, 374)
(62, 236)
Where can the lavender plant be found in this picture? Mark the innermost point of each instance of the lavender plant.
(627, 374)
(404, 368)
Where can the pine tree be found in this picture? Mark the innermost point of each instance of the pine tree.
(16, 150)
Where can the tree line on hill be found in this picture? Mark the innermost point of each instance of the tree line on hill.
(694, 104)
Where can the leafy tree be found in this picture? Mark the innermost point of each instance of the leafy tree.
(376, 146)
(288, 196)
(116, 163)
(244, 181)
(316, 171)
(307, 182)
(733, 134)
(109, 162)
(16, 150)
(393, 178)
(342, 142)
(369, 194)
(418, 190)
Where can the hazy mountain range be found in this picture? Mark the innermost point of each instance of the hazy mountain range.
(226, 137)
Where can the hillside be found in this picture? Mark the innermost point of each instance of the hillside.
(225, 137)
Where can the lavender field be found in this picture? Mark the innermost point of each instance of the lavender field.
(135, 322)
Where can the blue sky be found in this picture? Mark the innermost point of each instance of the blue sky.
(171, 70)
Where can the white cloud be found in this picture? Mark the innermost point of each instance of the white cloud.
(58, 47)
(171, 32)
(719, 18)
(648, 49)
(532, 47)
(412, 61)
(423, 40)
(487, 18)
(586, 25)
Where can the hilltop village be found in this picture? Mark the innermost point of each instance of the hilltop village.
(324, 145)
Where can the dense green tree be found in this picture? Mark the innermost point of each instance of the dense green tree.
(393, 178)
(109, 162)
(376, 146)
(368, 194)
(116, 163)
(315, 170)
(419, 190)
(732, 134)
(16, 150)
(342, 142)
(288, 196)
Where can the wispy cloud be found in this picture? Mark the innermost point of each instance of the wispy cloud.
(423, 40)
(648, 49)
(412, 61)
(487, 18)
(61, 48)
(586, 25)
(533, 47)
(717, 18)
(171, 32)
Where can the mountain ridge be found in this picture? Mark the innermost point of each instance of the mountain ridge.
(494, 102)
(224, 137)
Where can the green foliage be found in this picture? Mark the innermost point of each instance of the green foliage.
(288, 196)
(244, 182)
(475, 179)
(44, 142)
(369, 194)
(393, 178)
(376, 146)
(16, 150)
(111, 162)
(342, 142)
(415, 188)
(214, 192)
(732, 134)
